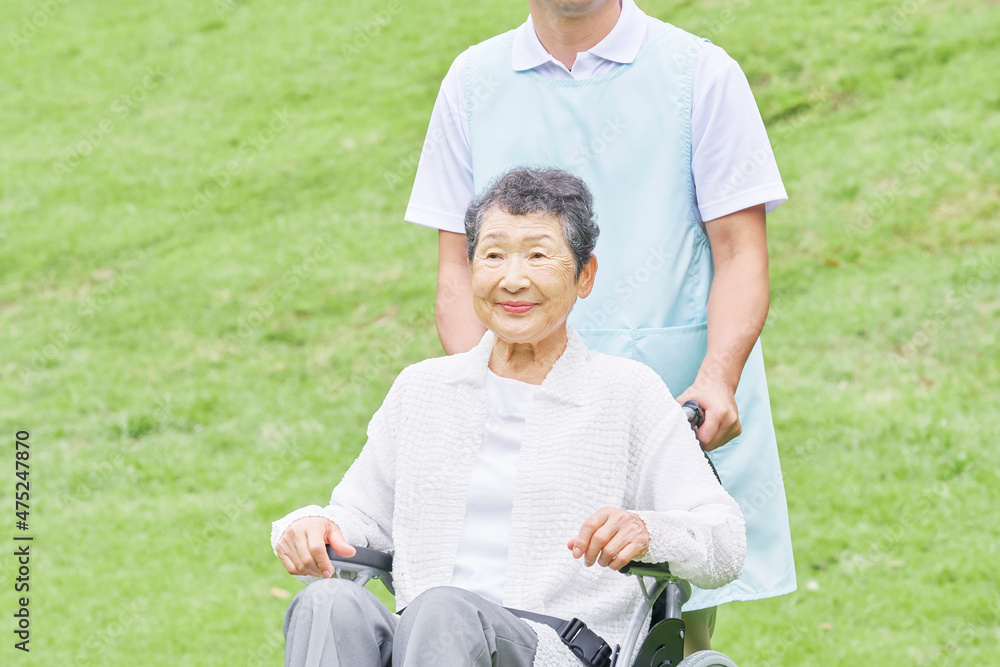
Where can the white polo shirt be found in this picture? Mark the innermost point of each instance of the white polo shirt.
(732, 162)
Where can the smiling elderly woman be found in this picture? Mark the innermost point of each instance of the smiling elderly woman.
(524, 472)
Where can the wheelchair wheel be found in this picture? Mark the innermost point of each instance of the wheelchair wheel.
(707, 659)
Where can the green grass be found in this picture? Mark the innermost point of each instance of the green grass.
(193, 360)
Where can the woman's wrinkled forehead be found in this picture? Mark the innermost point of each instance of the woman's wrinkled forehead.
(498, 226)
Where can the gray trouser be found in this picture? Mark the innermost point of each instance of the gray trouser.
(337, 623)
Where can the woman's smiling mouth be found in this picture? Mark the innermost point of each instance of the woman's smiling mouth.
(517, 306)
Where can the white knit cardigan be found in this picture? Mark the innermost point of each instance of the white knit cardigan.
(601, 431)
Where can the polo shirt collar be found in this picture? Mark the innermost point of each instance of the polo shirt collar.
(621, 45)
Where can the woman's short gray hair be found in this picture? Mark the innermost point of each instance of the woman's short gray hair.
(527, 191)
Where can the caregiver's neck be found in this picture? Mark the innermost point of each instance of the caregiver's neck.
(568, 27)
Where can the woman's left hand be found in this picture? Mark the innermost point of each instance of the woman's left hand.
(611, 537)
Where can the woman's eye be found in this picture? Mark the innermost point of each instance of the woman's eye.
(537, 255)
(493, 255)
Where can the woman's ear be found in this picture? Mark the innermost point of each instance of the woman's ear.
(585, 283)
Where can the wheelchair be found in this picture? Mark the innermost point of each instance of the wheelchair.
(660, 607)
(661, 604)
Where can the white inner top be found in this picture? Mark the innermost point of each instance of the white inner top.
(732, 163)
(481, 562)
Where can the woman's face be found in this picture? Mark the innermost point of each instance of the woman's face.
(524, 277)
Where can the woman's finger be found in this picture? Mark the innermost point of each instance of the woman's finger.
(316, 544)
(336, 540)
(610, 551)
(286, 550)
(615, 546)
(630, 540)
(289, 565)
(600, 539)
(595, 533)
(587, 530)
(306, 541)
(631, 551)
(614, 520)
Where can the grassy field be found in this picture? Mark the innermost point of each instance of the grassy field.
(207, 289)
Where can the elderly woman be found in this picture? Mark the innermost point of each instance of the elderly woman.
(521, 474)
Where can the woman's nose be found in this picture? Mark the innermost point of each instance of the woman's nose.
(515, 277)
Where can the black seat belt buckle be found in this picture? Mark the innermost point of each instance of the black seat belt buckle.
(585, 644)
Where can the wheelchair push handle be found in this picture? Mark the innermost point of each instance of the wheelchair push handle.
(695, 415)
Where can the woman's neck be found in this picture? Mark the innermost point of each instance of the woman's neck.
(527, 362)
(564, 32)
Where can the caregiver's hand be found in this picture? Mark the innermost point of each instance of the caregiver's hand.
(722, 419)
(302, 548)
(611, 537)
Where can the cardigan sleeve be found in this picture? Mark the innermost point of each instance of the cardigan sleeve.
(362, 503)
(693, 523)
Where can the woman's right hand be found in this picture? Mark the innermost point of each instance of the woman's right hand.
(302, 547)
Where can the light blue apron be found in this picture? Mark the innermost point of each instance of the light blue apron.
(628, 135)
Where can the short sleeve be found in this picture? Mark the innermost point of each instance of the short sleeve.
(731, 158)
(443, 185)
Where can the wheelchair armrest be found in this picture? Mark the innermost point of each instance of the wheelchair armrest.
(657, 570)
(678, 591)
(364, 565)
(675, 592)
(365, 557)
